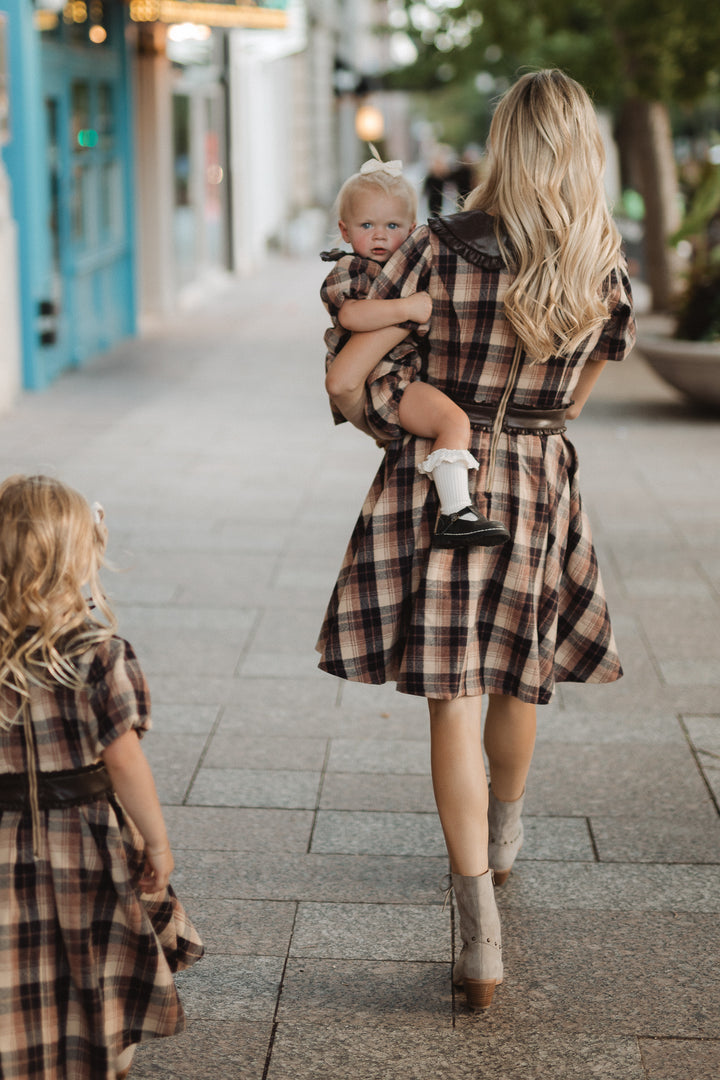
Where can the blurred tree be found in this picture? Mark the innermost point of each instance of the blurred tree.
(634, 56)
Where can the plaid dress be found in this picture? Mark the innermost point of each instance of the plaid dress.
(510, 620)
(85, 963)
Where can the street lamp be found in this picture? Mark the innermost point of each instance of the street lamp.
(369, 123)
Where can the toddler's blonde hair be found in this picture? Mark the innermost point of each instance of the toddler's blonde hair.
(544, 184)
(51, 551)
(395, 186)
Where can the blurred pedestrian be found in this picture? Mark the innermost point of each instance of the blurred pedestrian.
(437, 177)
(90, 929)
(530, 299)
(465, 174)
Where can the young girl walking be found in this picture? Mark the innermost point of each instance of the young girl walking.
(90, 930)
(377, 208)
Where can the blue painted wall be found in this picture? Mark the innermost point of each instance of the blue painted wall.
(88, 272)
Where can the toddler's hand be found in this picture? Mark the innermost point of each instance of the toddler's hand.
(419, 307)
(158, 868)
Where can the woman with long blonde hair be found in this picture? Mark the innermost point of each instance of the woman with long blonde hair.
(90, 930)
(530, 300)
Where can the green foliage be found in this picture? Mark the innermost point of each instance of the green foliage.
(660, 50)
(698, 311)
(704, 207)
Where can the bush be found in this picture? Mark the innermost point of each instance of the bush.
(698, 308)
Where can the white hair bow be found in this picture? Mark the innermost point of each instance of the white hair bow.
(393, 168)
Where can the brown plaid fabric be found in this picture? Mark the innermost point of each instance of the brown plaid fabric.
(86, 963)
(511, 620)
(351, 278)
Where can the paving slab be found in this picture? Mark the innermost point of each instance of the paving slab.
(651, 837)
(245, 927)
(236, 829)
(612, 886)
(402, 996)
(572, 779)
(208, 1050)
(331, 878)
(314, 1052)
(593, 972)
(294, 789)
(372, 931)
(377, 833)
(174, 759)
(377, 791)
(381, 755)
(228, 749)
(680, 1059)
(232, 987)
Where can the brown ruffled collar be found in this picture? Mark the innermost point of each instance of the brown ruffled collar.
(470, 234)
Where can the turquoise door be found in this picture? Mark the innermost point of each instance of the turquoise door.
(91, 302)
(69, 158)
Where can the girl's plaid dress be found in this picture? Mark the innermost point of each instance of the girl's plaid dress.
(85, 964)
(510, 620)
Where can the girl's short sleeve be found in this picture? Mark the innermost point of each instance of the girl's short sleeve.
(618, 334)
(407, 270)
(119, 696)
(350, 279)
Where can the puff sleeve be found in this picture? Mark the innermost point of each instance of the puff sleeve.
(407, 271)
(618, 334)
(119, 696)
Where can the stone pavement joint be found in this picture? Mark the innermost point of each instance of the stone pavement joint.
(300, 809)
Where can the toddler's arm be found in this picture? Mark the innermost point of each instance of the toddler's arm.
(361, 316)
(133, 783)
(345, 379)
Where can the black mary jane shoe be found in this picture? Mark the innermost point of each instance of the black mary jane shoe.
(457, 531)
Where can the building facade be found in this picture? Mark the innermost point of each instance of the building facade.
(151, 148)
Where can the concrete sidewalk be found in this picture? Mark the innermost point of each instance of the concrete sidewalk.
(307, 846)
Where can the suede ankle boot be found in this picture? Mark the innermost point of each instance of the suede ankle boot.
(479, 968)
(505, 836)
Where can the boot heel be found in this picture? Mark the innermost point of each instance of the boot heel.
(479, 993)
(500, 876)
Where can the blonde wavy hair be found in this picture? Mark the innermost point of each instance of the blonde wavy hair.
(362, 183)
(51, 549)
(543, 182)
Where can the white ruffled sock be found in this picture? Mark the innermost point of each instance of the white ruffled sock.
(449, 472)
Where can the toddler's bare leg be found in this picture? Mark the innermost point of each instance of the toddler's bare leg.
(426, 411)
(345, 378)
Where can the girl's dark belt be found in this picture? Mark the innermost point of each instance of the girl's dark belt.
(68, 787)
(519, 419)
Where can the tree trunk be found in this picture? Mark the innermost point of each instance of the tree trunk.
(645, 140)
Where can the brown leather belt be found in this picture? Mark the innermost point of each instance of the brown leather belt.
(520, 419)
(67, 787)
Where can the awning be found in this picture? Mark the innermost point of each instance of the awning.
(264, 15)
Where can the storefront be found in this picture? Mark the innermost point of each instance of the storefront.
(187, 195)
(117, 158)
(69, 159)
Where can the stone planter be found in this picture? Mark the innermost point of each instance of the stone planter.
(692, 367)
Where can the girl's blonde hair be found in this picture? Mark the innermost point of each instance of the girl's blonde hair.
(51, 551)
(387, 183)
(543, 182)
